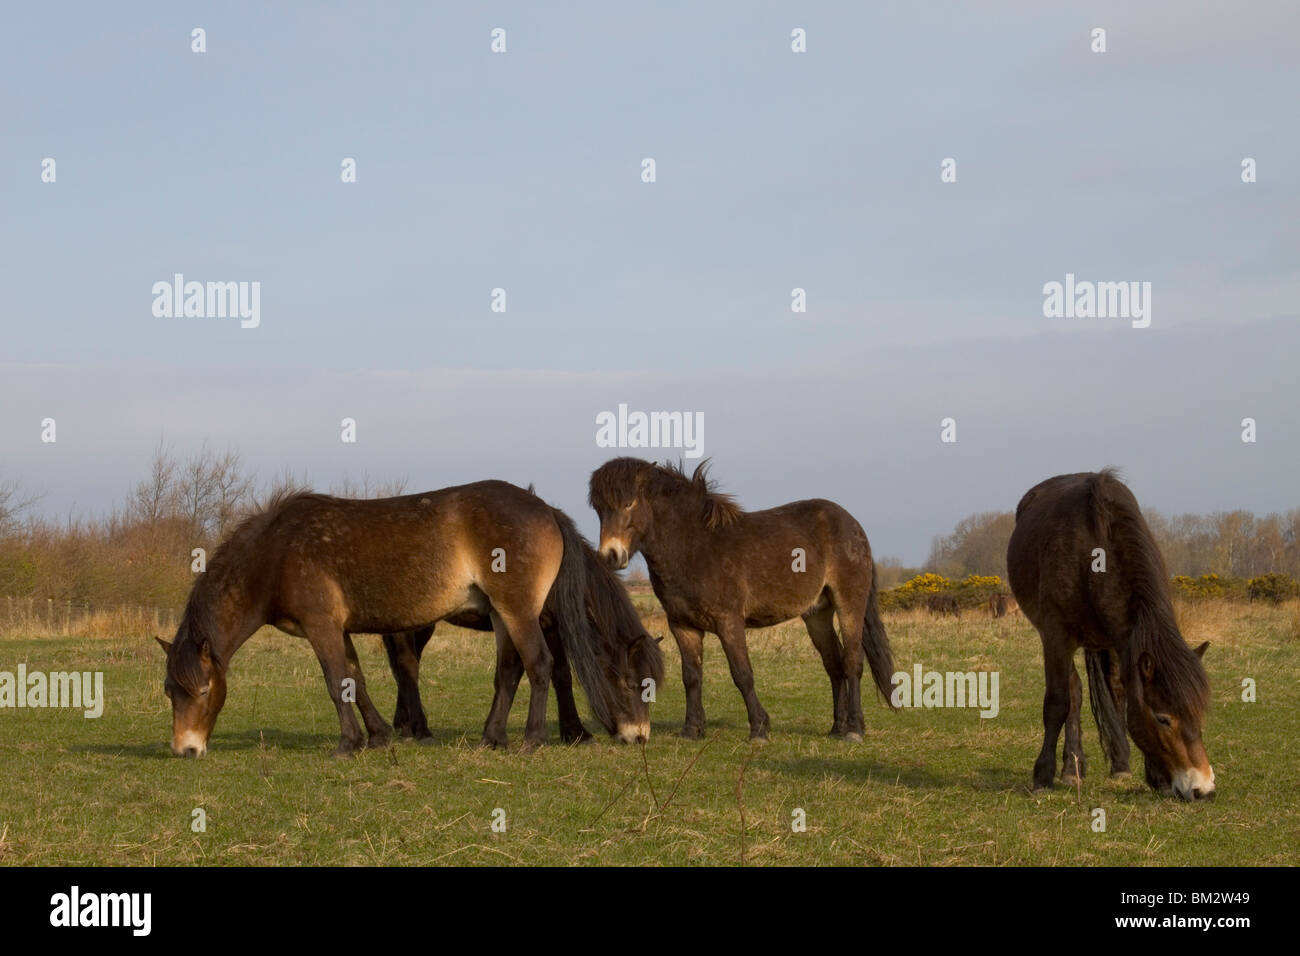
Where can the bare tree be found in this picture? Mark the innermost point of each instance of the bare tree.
(13, 502)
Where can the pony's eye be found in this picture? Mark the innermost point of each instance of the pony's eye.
(629, 506)
(204, 692)
(1164, 720)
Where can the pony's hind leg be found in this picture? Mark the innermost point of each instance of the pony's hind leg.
(690, 643)
(525, 633)
(505, 681)
(1057, 653)
(821, 628)
(1073, 763)
(732, 635)
(376, 727)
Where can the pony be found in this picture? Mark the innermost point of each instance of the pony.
(324, 568)
(1086, 570)
(718, 568)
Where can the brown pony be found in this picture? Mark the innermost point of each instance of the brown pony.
(610, 611)
(717, 568)
(324, 568)
(1001, 604)
(1087, 573)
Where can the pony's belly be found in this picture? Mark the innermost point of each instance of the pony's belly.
(469, 603)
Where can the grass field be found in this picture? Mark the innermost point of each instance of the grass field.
(932, 787)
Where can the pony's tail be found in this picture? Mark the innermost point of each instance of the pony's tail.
(876, 644)
(580, 640)
(1110, 722)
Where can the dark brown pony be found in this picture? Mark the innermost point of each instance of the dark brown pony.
(611, 613)
(324, 568)
(1141, 673)
(717, 568)
(943, 604)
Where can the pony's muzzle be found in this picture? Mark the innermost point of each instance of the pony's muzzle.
(189, 745)
(637, 733)
(1192, 784)
(615, 556)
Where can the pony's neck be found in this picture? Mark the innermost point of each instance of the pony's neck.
(671, 528)
(234, 619)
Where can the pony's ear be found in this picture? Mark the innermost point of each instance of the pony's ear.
(1200, 651)
(1147, 667)
(165, 645)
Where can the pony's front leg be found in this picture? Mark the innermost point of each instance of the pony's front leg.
(326, 639)
(526, 634)
(732, 635)
(403, 652)
(690, 643)
(376, 727)
(571, 729)
(505, 681)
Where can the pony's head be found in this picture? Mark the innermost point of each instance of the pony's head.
(616, 492)
(196, 683)
(622, 492)
(1170, 698)
(633, 666)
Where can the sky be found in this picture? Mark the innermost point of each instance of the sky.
(774, 170)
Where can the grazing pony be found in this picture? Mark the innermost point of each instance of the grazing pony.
(718, 568)
(943, 604)
(324, 568)
(1087, 573)
(612, 615)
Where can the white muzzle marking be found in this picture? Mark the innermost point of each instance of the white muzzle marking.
(634, 733)
(1191, 784)
(188, 739)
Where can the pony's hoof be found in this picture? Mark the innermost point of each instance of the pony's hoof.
(378, 742)
(1121, 775)
(492, 743)
(531, 746)
(1070, 780)
(1043, 787)
(345, 750)
(579, 738)
(853, 737)
(691, 733)
(758, 737)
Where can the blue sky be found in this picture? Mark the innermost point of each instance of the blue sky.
(775, 170)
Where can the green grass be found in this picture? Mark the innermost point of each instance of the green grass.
(933, 787)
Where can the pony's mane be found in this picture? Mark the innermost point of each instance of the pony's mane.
(198, 624)
(1118, 521)
(622, 478)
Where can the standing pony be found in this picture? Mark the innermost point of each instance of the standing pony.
(718, 568)
(324, 568)
(1086, 570)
